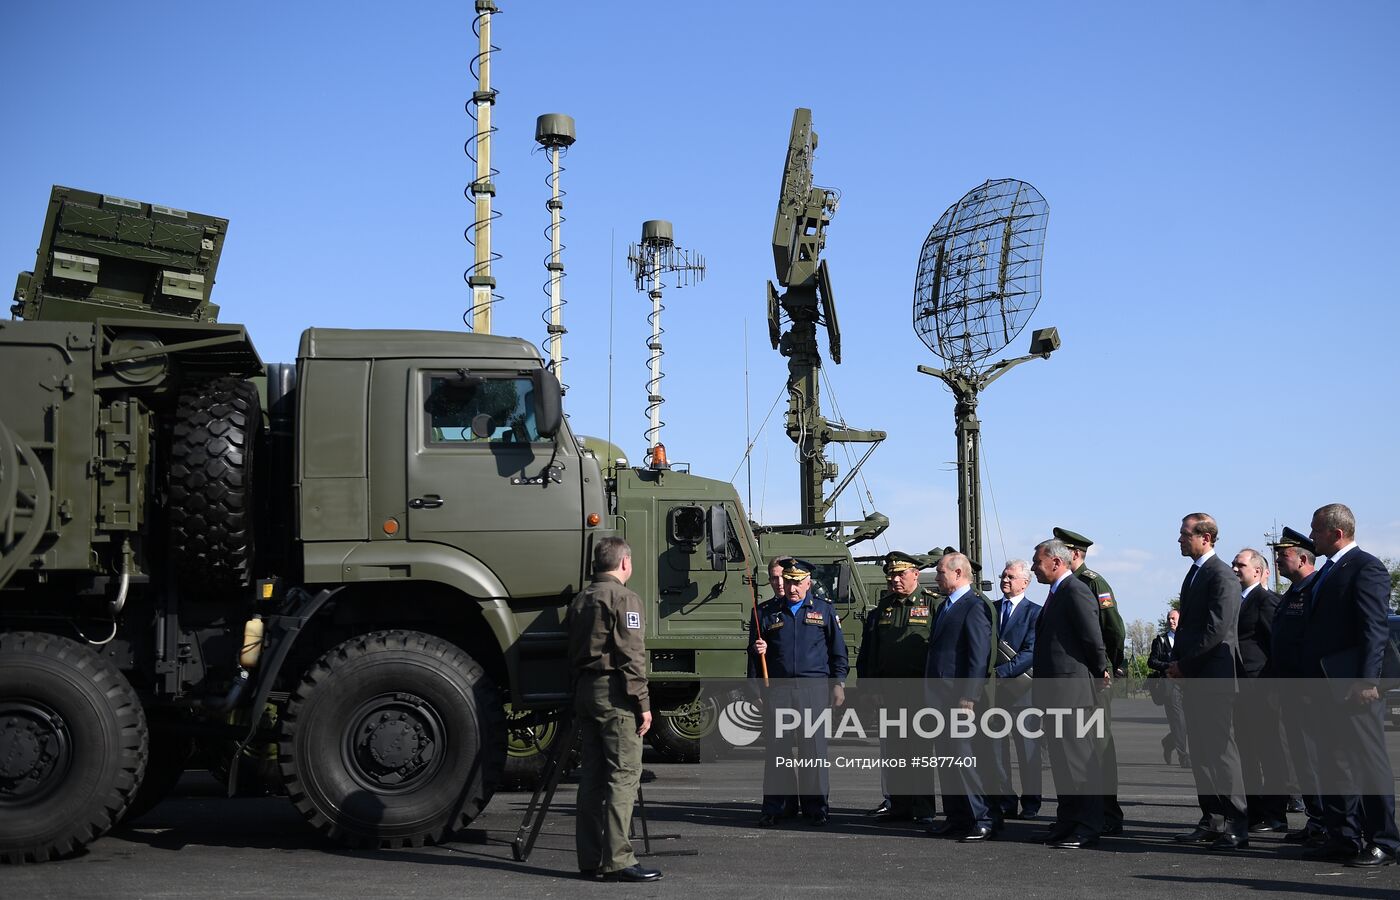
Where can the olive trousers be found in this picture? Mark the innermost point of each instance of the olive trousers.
(610, 770)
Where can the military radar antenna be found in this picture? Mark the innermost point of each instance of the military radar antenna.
(978, 282)
(554, 132)
(482, 188)
(799, 234)
(656, 256)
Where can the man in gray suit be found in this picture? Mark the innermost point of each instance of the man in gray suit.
(1206, 651)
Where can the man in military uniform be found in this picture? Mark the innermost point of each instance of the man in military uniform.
(1296, 557)
(608, 659)
(894, 646)
(799, 636)
(1114, 633)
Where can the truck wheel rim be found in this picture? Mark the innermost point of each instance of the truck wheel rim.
(394, 742)
(36, 751)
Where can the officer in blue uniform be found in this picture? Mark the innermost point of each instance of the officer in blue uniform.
(799, 636)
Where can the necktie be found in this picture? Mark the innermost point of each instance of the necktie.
(1317, 582)
(1005, 614)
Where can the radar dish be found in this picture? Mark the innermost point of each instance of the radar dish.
(979, 271)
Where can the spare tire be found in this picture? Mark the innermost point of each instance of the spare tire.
(211, 494)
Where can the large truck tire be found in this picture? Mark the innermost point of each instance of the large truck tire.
(680, 737)
(212, 486)
(72, 746)
(528, 745)
(393, 739)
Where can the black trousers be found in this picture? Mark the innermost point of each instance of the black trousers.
(1259, 731)
(1215, 759)
(1352, 754)
(1077, 766)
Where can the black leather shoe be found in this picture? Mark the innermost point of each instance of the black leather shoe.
(1197, 835)
(976, 834)
(1184, 760)
(767, 820)
(1329, 851)
(1301, 836)
(1230, 841)
(923, 821)
(1263, 826)
(1371, 857)
(1111, 829)
(1030, 812)
(1074, 842)
(588, 874)
(821, 820)
(1295, 806)
(947, 829)
(633, 873)
(880, 810)
(1058, 832)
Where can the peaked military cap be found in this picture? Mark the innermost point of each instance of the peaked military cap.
(796, 569)
(1072, 539)
(898, 561)
(1291, 538)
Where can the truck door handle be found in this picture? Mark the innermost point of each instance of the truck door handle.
(432, 501)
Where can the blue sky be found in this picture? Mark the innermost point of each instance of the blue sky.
(1219, 257)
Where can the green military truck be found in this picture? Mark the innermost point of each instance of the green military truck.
(361, 559)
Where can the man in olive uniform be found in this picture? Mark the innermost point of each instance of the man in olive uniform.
(608, 659)
(799, 637)
(1114, 632)
(894, 646)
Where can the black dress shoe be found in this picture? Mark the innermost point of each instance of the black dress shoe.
(1030, 812)
(1230, 840)
(821, 820)
(976, 834)
(1197, 835)
(1371, 857)
(1059, 831)
(1263, 826)
(881, 810)
(588, 874)
(1112, 828)
(1184, 760)
(1295, 806)
(767, 820)
(1074, 842)
(633, 873)
(924, 821)
(1301, 836)
(947, 829)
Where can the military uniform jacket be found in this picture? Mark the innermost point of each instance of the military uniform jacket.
(894, 643)
(1110, 619)
(1290, 623)
(605, 635)
(806, 645)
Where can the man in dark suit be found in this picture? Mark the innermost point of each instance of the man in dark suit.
(1257, 722)
(1070, 665)
(1344, 642)
(957, 679)
(1160, 658)
(1016, 618)
(1206, 647)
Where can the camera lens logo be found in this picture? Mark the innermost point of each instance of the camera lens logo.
(740, 723)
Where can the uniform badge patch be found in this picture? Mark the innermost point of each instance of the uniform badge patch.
(918, 612)
(815, 618)
(1105, 601)
(634, 619)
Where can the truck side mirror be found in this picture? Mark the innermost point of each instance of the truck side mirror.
(717, 529)
(843, 582)
(549, 407)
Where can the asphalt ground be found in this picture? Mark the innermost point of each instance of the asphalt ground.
(702, 820)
